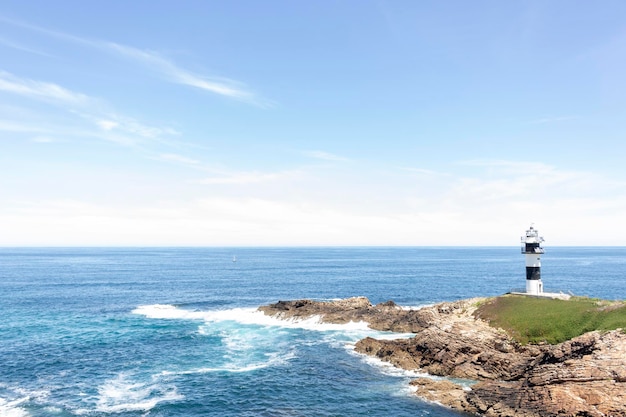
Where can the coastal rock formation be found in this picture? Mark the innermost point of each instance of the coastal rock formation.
(580, 377)
(585, 376)
(386, 316)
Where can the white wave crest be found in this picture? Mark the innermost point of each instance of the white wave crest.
(166, 311)
(245, 316)
(347, 332)
(12, 408)
(388, 368)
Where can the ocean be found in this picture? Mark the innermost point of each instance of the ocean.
(175, 332)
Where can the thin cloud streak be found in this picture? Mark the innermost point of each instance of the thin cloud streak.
(110, 126)
(65, 131)
(39, 90)
(111, 122)
(180, 75)
(49, 32)
(17, 46)
(174, 73)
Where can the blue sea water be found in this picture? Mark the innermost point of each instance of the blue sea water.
(174, 331)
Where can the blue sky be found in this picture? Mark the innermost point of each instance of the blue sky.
(312, 123)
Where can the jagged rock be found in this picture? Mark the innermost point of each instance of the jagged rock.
(585, 376)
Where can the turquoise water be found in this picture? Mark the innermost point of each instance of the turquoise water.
(174, 331)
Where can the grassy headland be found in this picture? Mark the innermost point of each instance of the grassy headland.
(536, 320)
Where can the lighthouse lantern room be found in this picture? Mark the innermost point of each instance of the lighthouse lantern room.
(531, 248)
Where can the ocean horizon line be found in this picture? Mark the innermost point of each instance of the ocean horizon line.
(289, 246)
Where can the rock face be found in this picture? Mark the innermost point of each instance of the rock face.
(585, 376)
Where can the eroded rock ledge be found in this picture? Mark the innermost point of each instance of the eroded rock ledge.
(585, 376)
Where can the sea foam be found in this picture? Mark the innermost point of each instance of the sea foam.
(122, 394)
(251, 340)
(275, 359)
(12, 408)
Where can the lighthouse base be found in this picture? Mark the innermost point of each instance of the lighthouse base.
(554, 295)
(534, 286)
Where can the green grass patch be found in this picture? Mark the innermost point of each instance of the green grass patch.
(537, 320)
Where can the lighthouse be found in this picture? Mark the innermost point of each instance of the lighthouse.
(532, 250)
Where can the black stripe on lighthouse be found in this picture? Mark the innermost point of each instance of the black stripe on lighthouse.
(533, 272)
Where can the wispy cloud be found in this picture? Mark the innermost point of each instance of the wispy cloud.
(176, 74)
(127, 131)
(156, 62)
(19, 47)
(45, 31)
(39, 90)
(113, 122)
(109, 125)
(326, 156)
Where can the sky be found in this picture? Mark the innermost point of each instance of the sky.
(322, 123)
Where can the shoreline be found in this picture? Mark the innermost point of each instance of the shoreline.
(582, 376)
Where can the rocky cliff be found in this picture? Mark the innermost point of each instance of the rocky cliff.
(585, 376)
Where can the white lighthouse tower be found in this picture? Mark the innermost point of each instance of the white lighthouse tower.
(531, 248)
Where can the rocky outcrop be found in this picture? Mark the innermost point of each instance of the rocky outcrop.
(386, 316)
(456, 346)
(585, 376)
(581, 377)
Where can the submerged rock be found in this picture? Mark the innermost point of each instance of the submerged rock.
(585, 376)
